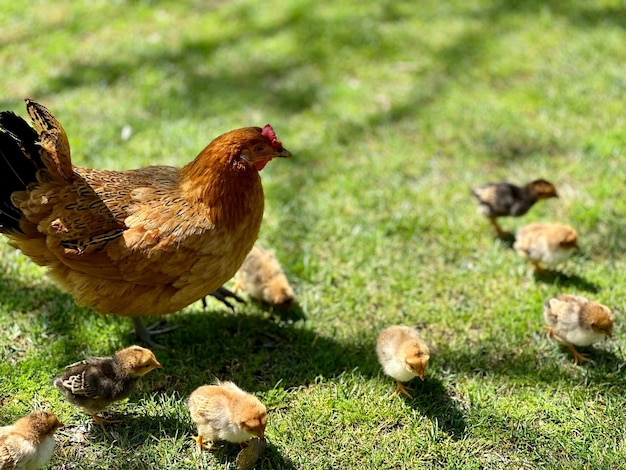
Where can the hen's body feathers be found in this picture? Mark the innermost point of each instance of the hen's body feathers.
(138, 242)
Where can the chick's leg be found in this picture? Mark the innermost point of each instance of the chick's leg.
(538, 268)
(578, 357)
(145, 333)
(201, 445)
(496, 226)
(401, 389)
(102, 422)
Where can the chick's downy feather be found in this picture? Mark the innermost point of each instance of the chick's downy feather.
(402, 354)
(261, 275)
(225, 412)
(137, 242)
(28, 443)
(506, 199)
(96, 382)
(576, 321)
(546, 243)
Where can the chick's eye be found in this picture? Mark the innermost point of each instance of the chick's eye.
(259, 148)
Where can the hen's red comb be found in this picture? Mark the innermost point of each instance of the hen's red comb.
(268, 132)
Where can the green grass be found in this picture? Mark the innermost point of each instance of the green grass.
(392, 111)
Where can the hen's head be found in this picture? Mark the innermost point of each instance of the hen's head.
(261, 146)
(251, 145)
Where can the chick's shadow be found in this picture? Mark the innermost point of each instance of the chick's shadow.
(553, 277)
(432, 400)
(258, 352)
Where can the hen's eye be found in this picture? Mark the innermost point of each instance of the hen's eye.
(259, 148)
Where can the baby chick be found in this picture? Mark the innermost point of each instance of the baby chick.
(547, 243)
(28, 443)
(402, 354)
(574, 320)
(225, 412)
(505, 199)
(262, 277)
(96, 382)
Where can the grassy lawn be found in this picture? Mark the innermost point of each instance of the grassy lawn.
(393, 110)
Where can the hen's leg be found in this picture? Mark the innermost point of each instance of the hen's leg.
(145, 333)
(223, 294)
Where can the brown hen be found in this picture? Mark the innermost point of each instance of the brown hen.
(139, 242)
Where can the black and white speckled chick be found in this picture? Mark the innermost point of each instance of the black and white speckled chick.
(96, 382)
(508, 200)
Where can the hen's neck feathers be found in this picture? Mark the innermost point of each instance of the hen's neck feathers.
(221, 180)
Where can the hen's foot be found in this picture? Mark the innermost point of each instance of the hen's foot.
(223, 295)
(145, 333)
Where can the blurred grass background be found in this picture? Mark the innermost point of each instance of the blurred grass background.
(393, 110)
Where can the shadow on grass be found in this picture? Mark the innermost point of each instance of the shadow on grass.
(289, 83)
(271, 458)
(540, 360)
(432, 399)
(560, 279)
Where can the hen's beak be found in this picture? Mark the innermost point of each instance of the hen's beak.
(283, 152)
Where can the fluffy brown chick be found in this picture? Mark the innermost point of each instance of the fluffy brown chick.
(576, 321)
(225, 412)
(96, 382)
(28, 443)
(546, 244)
(261, 275)
(506, 199)
(402, 354)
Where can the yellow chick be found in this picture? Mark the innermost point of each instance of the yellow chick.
(96, 382)
(548, 243)
(574, 320)
(262, 277)
(225, 412)
(402, 354)
(28, 443)
(505, 199)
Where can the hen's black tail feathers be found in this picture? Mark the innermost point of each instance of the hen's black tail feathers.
(20, 159)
